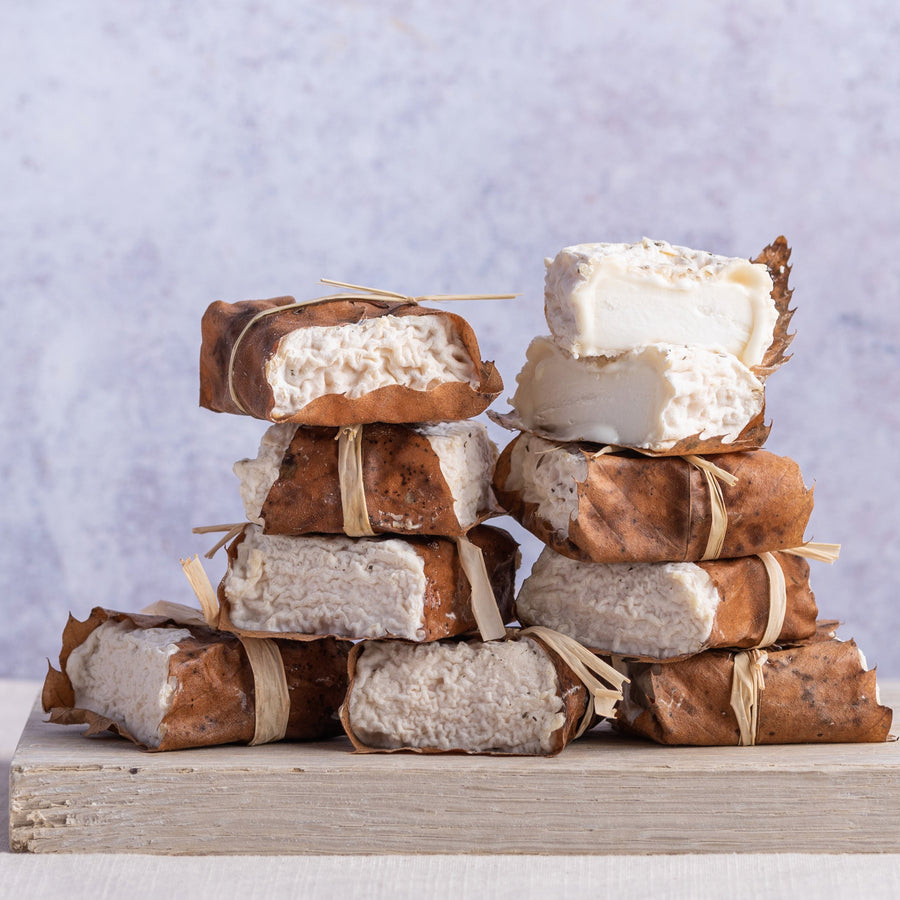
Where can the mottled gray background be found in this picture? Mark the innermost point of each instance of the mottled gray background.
(156, 156)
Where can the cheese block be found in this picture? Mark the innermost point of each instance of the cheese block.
(666, 610)
(624, 507)
(660, 398)
(417, 479)
(820, 691)
(605, 299)
(168, 686)
(500, 697)
(408, 587)
(342, 362)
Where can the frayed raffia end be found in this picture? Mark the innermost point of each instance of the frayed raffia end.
(232, 530)
(203, 590)
(360, 291)
(588, 668)
(272, 703)
(820, 552)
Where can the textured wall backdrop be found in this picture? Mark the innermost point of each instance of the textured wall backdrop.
(157, 156)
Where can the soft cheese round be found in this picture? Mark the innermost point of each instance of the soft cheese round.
(605, 299)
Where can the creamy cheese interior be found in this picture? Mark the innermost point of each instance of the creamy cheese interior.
(417, 352)
(500, 696)
(465, 454)
(327, 584)
(605, 299)
(641, 609)
(122, 672)
(649, 398)
(548, 474)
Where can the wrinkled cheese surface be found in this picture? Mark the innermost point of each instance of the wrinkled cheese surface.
(416, 352)
(501, 696)
(122, 672)
(605, 299)
(548, 474)
(642, 609)
(327, 584)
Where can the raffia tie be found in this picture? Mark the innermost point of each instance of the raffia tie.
(484, 602)
(272, 704)
(718, 525)
(777, 599)
(588, 668)
(747, 679)
(354, 292)
(747, 682)
(350, 478)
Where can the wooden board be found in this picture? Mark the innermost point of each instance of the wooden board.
(603, 794)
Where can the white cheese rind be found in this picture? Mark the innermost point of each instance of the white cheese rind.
(258, 475)
(649, 398)
(416, 352)
(605, 299)
(496, 696)
(327, 584)
(122, 672)
(467, 457)
(659, 610)
(548, 475)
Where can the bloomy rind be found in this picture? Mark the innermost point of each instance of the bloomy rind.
(223, 324)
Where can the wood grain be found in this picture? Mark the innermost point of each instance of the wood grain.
(604, 794)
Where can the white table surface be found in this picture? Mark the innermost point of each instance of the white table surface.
(709, 876)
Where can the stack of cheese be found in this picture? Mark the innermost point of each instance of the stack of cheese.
(669, 531)
(355, 530)
(359, 518)
(365, 523)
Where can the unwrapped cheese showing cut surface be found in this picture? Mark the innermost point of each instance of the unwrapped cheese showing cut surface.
(668, 610)
(416, 479)
(820, 691)
(661, 398)
(500, 697)
(606, 299)
(408, 587)
(624, 507)
(168, 686)
(342, 362)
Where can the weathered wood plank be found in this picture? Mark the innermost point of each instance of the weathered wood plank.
(604, 794)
